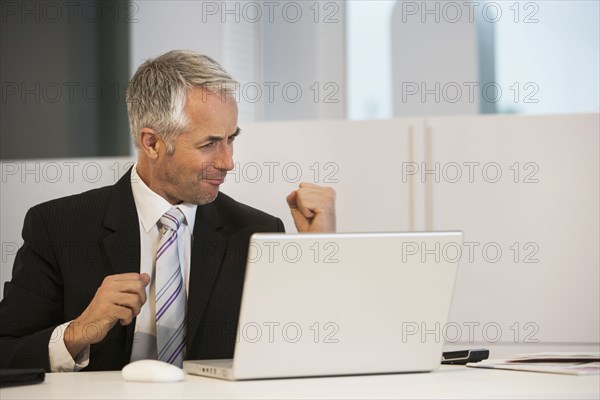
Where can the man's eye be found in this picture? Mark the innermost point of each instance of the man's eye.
(208, 145)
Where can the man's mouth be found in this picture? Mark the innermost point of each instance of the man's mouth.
(215, 180)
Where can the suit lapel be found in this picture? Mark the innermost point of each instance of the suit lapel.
(208, 249)
(122, 242)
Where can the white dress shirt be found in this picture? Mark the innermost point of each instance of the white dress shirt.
(150, 207)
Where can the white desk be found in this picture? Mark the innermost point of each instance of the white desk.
(447, 382)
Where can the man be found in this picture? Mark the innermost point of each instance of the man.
(88, 271)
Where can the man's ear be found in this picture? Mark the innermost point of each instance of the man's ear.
(150, 142)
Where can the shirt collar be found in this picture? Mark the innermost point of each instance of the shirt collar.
(151, 206)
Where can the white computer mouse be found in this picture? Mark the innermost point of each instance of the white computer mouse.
(151, 371)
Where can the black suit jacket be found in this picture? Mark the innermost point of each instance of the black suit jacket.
(71, 244)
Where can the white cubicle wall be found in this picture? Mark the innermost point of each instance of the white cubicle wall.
(530, 269)
(530, 211)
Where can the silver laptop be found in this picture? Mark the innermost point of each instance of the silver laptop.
(341, 304)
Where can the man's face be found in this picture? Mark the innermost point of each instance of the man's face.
(203, 154)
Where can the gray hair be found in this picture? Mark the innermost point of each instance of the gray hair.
(157, 93)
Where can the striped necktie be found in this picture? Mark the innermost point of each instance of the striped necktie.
(170, 292)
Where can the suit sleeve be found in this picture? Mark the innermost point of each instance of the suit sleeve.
(32, 306)
(280, 226)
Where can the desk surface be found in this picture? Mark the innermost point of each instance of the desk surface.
(447, 382)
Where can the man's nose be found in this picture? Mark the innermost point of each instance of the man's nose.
(225, 157)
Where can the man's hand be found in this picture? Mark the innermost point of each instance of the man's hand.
(313, 208)
(119, 298)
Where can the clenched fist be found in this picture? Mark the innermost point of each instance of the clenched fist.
(313, 208)
(119, 298)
